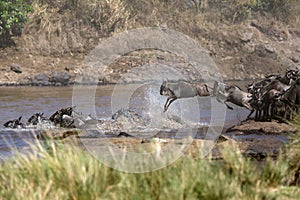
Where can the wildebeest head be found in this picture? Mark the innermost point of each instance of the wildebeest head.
(67, 111)
(272, 76)
(165, 90)
(62, 116)
(216, 88)
(34, 119)
(14, 123)
(291, 74)
(58, 114)
(257, 98)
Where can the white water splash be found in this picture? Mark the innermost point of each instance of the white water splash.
(45, 124)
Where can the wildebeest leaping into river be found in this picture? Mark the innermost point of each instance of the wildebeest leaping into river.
(182, 89)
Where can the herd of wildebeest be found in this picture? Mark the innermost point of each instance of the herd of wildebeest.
(274, 97)
(61, 118)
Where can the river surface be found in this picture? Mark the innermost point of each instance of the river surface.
(25, 101)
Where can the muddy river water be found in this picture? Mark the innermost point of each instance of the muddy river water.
(25, 101)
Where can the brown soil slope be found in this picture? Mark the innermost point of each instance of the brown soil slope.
(59, 36)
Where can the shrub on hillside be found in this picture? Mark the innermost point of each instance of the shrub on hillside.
(13, 14)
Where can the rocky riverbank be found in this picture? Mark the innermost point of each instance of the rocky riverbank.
(241, 52)
(258, 140)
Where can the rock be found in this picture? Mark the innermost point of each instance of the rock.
(260, 139)
(58, 134)
(266, 51)
(70, 68)
(40, 80)
(24, 81)
(16, 68)
(258, 26)
(269, 48)
(294, 59)
(86, 80)
(124, 134)
(41, 77)
(246, 37)
(4, 69)
(60, 78)
(260, 149)
(269, 128)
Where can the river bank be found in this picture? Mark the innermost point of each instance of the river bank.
(245, 41)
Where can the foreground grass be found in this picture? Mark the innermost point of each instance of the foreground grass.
(69, 173)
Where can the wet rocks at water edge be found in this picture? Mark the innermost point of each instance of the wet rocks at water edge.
(60, 78)
(124, 134)
(57, 134)
(260, 140)
(40, 80)
(54, 79)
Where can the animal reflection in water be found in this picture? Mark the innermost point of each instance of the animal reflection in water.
(182, 89)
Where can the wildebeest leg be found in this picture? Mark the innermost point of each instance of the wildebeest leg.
(251, 114)
(267, 114)
(229, 107)
(168, 102)
(246, 105)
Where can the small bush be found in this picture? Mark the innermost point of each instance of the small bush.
(13, 14)
(239, 10)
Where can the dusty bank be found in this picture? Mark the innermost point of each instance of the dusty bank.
(245, 41)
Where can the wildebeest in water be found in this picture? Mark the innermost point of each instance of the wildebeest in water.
(182, 89)
(15, 123)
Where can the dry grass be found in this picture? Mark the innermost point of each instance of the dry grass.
(107, 16)
(77, 25)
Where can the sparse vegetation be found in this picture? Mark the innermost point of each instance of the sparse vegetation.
(54, 22)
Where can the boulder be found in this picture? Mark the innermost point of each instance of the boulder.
(260, 140)
(16, 68)
(266, 51)
(57, 134)
(246, 37)
(60, 78)
(40, 80)
(268, 128)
